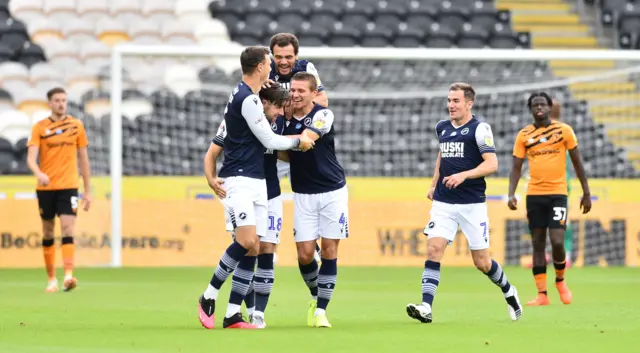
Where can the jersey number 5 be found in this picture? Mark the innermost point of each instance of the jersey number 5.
(560, 214)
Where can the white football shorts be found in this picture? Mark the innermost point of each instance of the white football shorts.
(473, 220)
(323, 215)
(246, 203)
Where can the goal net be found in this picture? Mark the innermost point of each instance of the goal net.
(168, 101)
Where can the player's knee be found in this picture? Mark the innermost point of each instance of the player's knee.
(267, 248)
(329, 248)
(48, 227)
(67, 230)
(557, 238)
(434, 251)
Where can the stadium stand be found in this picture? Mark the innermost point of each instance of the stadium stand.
(170, 114)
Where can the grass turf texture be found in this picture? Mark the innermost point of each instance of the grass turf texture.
(154, 310)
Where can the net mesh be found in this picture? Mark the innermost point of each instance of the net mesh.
(386, 111)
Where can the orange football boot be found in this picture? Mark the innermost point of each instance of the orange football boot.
(565, 293)
(540, 300)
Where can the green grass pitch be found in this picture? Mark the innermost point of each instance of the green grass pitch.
(154, 310)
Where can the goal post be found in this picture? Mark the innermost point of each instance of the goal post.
(601, 83)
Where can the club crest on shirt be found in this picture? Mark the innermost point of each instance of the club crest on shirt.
(274, 126)
(465, 131)
(307, 121)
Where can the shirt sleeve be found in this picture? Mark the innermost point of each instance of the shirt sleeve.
(312, 70)
(34, 139)
(436, 131)
(518, 147)
(221, 134)
(322, 122)
(570, 141)
(82, 141)
(484, 139)
(253, 113)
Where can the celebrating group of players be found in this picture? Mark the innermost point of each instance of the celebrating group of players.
(278, 114)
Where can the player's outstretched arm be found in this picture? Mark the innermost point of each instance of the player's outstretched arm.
(253, 113)
(488, 166)
(576, 159)
(514, 178)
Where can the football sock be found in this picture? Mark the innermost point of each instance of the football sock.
(263, 281)
(560, 267)
(309, 273)
(540, 275)
(250, 298)
(68, 253)
(49, 253)
(430, 281)
(326, 283)
(497, 276)
(240, 283)
(228, 263)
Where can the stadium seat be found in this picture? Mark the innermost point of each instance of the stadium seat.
(14, 77)
(93, 10)
(6, 101)
(14, 125)
(111, 32)
(40, 115)
(27, 10)
(61, 11)
(6, 155)
(126, 11)
(96, 103)
(135, 103)
(211, 32)
(31, 100)
(181, 79)
(145, 32)
(177, 33)
(96, 54)
(194, 11)
(43, 30)
(44, 76)
(14, 33)
(78, 31)
(158, 11)
(61, 54)
(6, 54)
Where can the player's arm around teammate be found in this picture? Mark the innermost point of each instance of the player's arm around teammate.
(61, 143)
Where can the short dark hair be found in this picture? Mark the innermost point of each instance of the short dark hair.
(52, 92)
(539, 94)
(251, 57)
(284, 39)
(469, 92)
(275, 94)
(305, 76)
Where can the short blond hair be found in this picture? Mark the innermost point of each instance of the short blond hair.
(469, 92)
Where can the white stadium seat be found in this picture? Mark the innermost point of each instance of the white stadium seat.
(61, 11)
(27, 10)
(78, 31)
(15, 125)
(181, 79)
(93, 10)
(193, 11)
(212, 32)
(45, 76)
(145, 32)
(43, 30)
(40, 115)
(126, 11)
(158, 11)
(177, 33)
(96, 54)
(61, 54)
(31, 100)
(14, 77)
(228, 64)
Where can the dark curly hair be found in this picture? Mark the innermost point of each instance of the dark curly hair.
(275, 94)
(539, 94)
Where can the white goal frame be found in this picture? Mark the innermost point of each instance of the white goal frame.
(355, 53)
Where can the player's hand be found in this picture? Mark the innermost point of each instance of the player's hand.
(512, 203)
(306, 143)
(86, 201)
(452, 181)
(585, 203)
(43, 179)
(432, 190)
(218, 189)
(268, 83)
